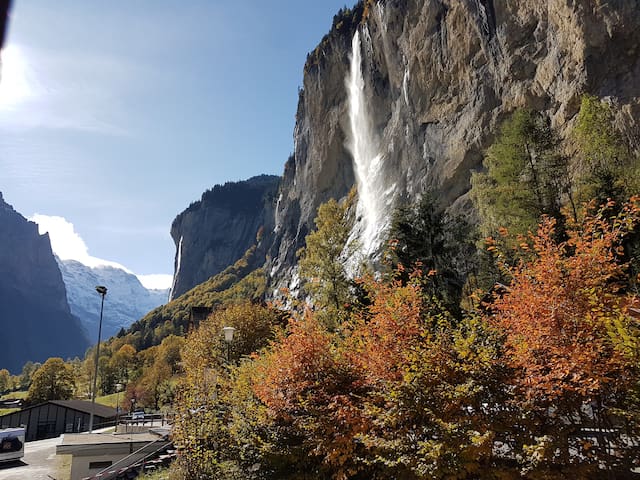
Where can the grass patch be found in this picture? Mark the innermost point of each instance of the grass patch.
(6, 411)
(112, 400)
(14, 395)
(162, 474)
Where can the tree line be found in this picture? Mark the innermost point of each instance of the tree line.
(507, 348)
(502, 347)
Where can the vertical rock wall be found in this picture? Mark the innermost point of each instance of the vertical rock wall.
(35, 320)
(217, 230)
(440, 75)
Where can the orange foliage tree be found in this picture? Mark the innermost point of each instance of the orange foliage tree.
(311, 392)
(564, 319)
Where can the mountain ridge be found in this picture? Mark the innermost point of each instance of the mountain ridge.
(127, 299)
(35, 318)
(438, 77)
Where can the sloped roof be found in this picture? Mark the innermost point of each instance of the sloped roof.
(78, 405)
(85, 407)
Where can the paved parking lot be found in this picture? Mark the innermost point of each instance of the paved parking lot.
(39, 462)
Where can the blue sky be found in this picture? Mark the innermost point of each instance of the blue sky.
(115, 115)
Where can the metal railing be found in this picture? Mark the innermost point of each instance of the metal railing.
(111, 473)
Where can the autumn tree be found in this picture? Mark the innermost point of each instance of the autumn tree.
(401, 391)
(322, 260)
(202, 428)
(170, 352)
(309, 388)
(123, 362)
(26, 375)
(160, 364)
(565, 323)
(5, 380)
(52, 381)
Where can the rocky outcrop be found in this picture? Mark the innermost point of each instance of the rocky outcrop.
(218, 229)
(126, 301)
(439, 76)
(35, 320)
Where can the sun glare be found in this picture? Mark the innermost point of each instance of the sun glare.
(14, 82)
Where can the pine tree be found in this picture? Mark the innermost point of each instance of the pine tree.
(423, 236)
(525, 176)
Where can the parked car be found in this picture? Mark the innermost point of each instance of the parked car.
(137, 416)
(11, 444)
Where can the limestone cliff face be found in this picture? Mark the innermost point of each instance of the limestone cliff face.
(439, 76)
(218, 229)
(35, 320)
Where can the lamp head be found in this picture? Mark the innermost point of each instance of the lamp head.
(228, 333)
(102, 290)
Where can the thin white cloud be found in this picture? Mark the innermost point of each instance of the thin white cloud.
(67, 244)
(158, 281)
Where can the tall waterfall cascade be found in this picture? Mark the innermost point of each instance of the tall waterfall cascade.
(375, 195)
(178, 262)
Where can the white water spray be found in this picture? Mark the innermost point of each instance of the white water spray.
(373, 194)
(178, 262)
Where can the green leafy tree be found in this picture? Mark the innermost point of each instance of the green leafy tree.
(52, 381)
(525, 176)
(605, 166)
(322, 260)
(28, 370)
(603, 159)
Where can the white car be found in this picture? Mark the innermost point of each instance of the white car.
(137, 416)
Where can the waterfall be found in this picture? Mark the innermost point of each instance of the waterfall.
(276, 222)
(374, 195)
(178, 262)
(405, 85)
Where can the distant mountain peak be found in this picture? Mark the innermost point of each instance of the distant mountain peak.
(127, 299)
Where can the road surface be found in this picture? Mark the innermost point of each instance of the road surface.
(39, 462)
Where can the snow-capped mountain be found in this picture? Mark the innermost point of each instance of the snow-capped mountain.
(127, 299)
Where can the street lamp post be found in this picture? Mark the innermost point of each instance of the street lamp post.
(118, 388)
(102, 291)
(228, 337)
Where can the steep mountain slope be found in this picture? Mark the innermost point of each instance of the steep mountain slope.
(241, 281)
(437, 78)
(402, 96)
(217, 230)
(35, 320)
(126, 301)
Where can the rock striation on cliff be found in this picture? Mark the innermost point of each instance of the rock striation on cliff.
(35, 320)
(217, 230)
(438, 77)
(418, 88)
